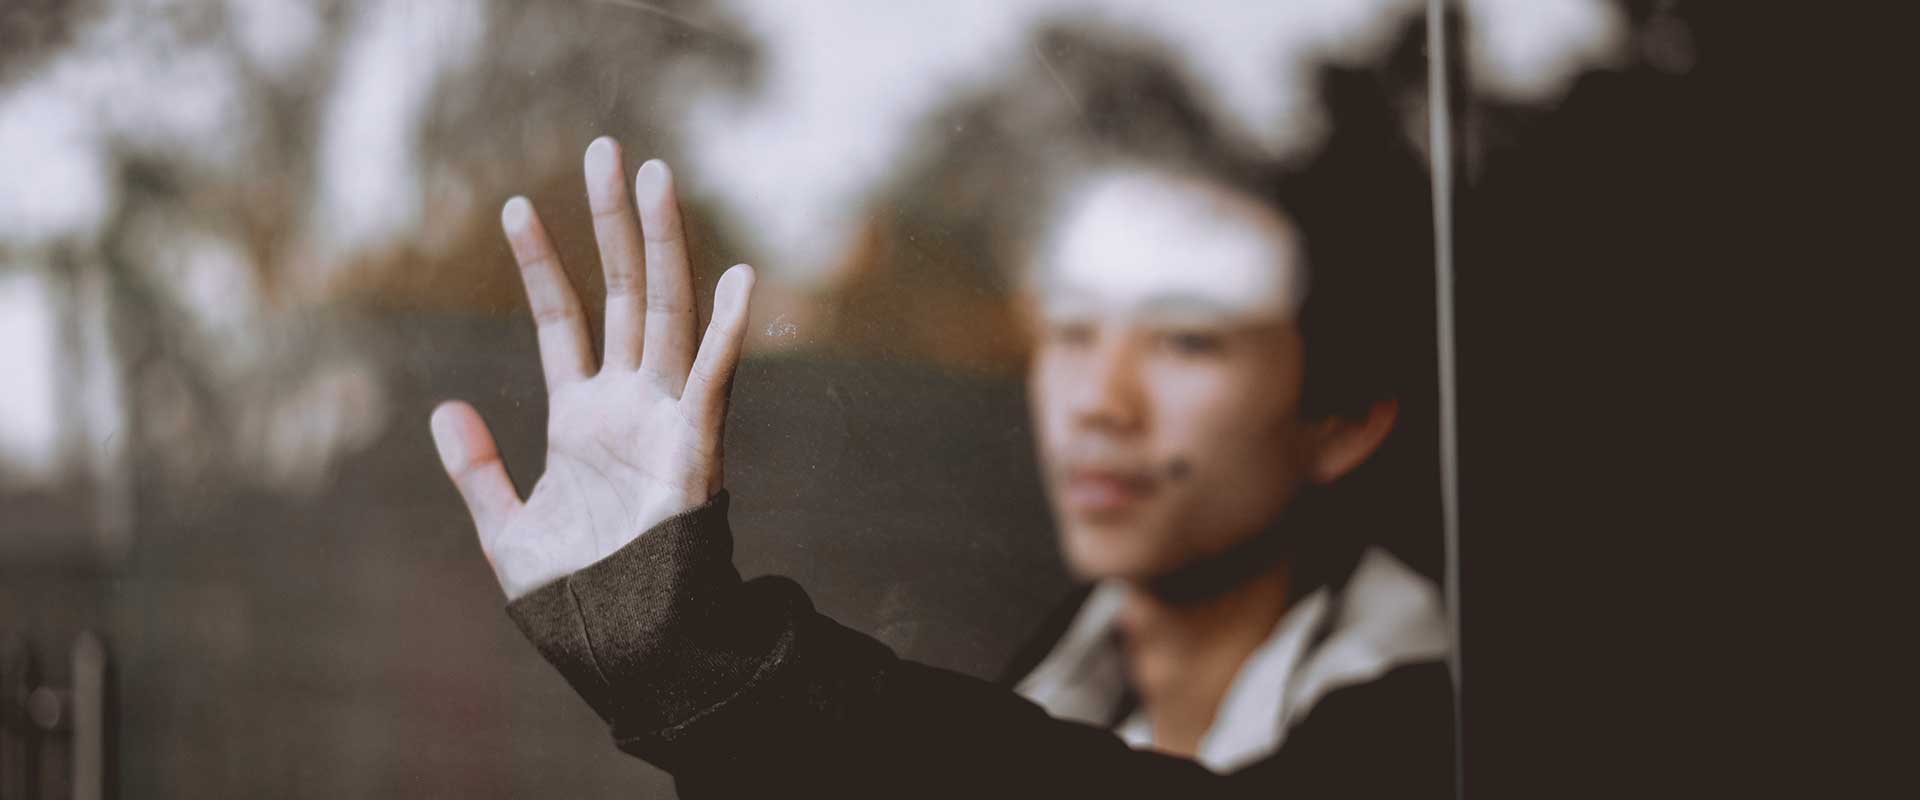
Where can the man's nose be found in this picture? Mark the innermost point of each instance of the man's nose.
(1110, 394)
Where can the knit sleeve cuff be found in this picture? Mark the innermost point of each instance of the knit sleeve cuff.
(634, 633)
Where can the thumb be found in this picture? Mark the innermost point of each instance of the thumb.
(472, 461)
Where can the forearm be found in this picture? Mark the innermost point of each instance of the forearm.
(663, 629)
(729, 684)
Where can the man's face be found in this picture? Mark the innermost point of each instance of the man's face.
(1166, 377)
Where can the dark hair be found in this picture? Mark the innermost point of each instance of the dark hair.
(1360, 201)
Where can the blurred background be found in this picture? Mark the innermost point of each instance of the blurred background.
(245, 247)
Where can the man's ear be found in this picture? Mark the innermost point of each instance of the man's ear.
(1347, 442)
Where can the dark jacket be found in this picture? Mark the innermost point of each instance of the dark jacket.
(741, 689)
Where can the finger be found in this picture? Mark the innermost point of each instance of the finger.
(473, 462)
(705, 399)
(565, 354)
(669, 335)
(618, 232)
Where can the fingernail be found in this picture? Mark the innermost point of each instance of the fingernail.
(602, 175)
(651, 183)
(515, 214)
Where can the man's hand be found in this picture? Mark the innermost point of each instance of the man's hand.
(635, 441)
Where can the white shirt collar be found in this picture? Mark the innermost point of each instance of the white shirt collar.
(1387, 615)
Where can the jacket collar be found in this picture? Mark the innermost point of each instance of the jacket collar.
(1384, 616)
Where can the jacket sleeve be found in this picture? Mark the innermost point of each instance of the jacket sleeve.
(742, 689)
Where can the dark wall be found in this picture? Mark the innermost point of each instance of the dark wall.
(1644, 279)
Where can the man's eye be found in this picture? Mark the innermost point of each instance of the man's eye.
(1193, 343)
(1070, 333)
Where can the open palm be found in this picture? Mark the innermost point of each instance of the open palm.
(630, 442)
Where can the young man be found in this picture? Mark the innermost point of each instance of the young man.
(1208, 367)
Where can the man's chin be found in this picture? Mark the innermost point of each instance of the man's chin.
(1107, 554)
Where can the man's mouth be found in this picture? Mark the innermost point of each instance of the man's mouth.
(1100, 491)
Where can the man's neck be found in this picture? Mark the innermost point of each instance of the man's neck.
(1182, 658)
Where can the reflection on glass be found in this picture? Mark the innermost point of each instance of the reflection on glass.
(246, 245)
